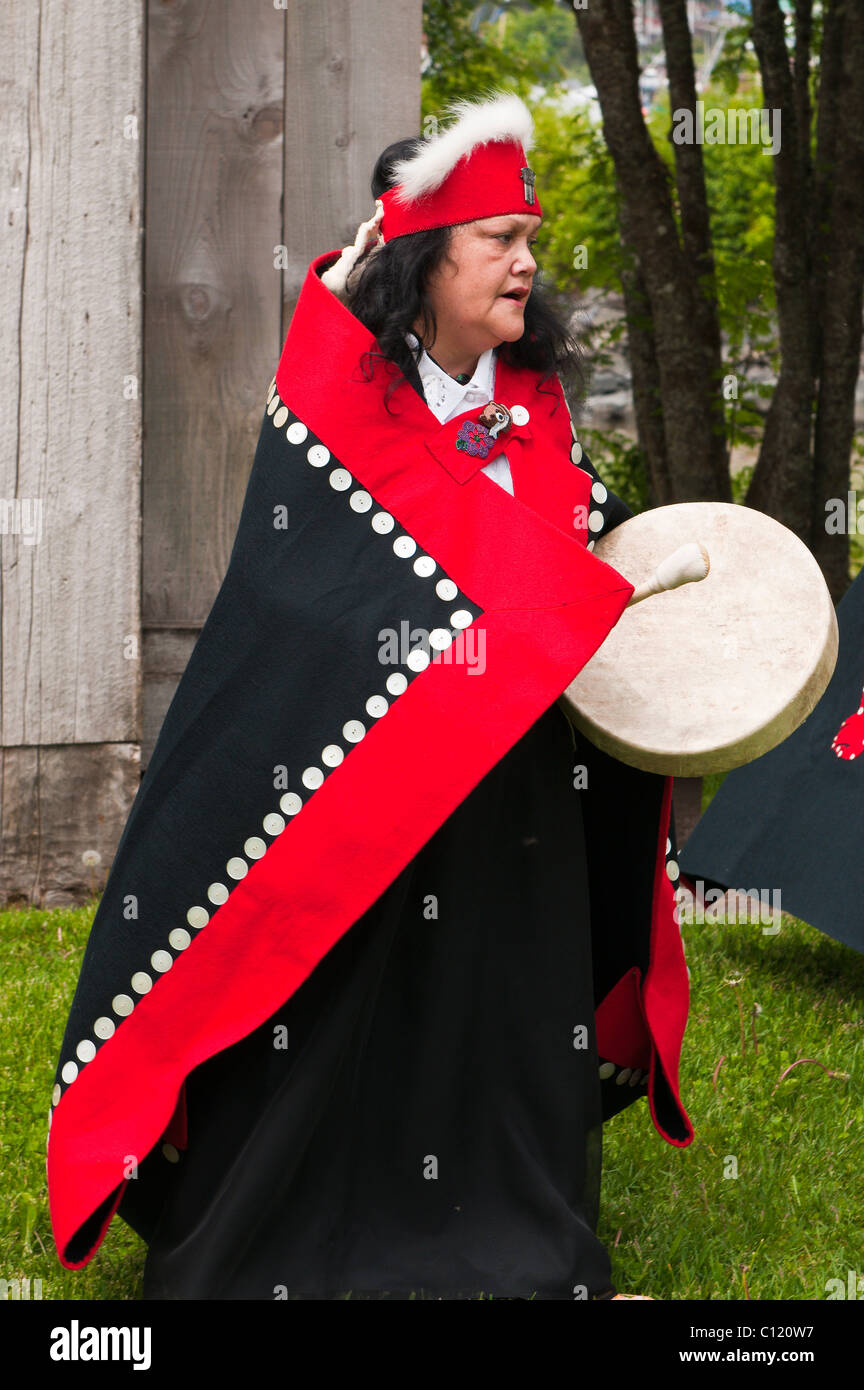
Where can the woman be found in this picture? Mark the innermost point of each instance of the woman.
(383, 1050)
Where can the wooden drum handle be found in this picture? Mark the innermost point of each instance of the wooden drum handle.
(686, 565)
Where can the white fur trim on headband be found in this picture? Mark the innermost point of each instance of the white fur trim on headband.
(502, 117)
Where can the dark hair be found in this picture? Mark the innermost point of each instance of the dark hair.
(387, 293)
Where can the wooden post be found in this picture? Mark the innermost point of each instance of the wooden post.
(100, 611)
(70, 442)
(261, 141)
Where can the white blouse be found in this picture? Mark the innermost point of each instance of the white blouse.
(446, 397)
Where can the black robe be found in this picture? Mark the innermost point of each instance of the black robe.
(284, 1107)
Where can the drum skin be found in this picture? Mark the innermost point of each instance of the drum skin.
(708, 676)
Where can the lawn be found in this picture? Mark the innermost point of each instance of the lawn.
(766, 1202)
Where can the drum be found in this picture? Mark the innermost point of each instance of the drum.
(710, 675)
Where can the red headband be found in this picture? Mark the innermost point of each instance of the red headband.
(491, 181)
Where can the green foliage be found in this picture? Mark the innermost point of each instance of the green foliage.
(576, 180)
(548, 38)
(856, 483)
(741, 480)
(467, 57)
(737, 62)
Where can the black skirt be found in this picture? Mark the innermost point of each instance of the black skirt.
(422, 1117)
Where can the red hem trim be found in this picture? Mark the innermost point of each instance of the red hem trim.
(666, 990)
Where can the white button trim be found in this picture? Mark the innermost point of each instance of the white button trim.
(376, 706)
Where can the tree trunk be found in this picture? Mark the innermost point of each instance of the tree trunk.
(782, 483)
(688, 396)
(645, 374)
(696, 226)
(841, 298)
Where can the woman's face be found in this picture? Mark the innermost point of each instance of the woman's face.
(485, 261)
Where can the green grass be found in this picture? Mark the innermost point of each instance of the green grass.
(676, 1226)
(791, 1219)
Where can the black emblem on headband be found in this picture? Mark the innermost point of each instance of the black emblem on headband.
(528, 184)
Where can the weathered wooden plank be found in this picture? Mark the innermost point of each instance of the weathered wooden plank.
(62, 812)
(70, 285)
(212, 306)
(352, 87)
(166, 656)
(219, 92)
(224, 203)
